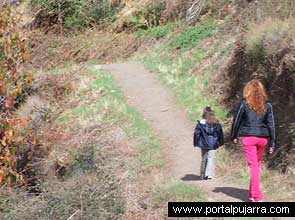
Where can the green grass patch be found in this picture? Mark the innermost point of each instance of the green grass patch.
(108, 106)
(177, 191)
(177, 74)
(177, 71)
(192, 35)
(157, 32)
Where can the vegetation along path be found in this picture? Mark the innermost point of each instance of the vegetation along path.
(157, 104)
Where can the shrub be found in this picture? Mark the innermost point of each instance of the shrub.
(13, 84)
(152, 12)
(142, 16)
(256, 50)
(271, 34)
(269, 37)
(77, 13)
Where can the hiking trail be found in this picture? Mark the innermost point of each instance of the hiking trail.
(157, 104)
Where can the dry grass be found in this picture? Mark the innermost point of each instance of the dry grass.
(271, 35)
(74, 172)
(52, 50)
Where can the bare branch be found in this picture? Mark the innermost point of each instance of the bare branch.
(194, 11)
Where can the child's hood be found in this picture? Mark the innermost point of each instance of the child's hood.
(203, 121)
(209, 129)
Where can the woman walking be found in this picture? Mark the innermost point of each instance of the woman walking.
(254, 121)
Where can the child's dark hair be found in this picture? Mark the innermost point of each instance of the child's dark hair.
(209, 115)
(206, 110)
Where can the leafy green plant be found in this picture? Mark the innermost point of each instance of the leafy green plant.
(191, 35)
(157, 32)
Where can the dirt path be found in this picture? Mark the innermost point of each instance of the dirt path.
(157, 104)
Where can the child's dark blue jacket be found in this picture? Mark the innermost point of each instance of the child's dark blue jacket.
(214, 135)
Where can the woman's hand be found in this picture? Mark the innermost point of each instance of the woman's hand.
(236, 141)
(271, 150)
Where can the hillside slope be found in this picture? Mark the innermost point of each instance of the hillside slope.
(230, 44)
(94, 149)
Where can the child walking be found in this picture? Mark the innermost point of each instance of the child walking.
(208, 136)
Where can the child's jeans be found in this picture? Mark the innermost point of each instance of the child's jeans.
(208, 163)
(254, 148)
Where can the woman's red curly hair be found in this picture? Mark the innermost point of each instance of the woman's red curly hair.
(255, 95)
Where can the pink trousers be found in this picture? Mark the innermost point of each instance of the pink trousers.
(253, 148)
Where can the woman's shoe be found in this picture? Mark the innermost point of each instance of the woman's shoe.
(209, 177)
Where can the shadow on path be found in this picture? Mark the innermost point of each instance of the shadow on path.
(237, 193)
(190, 177)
